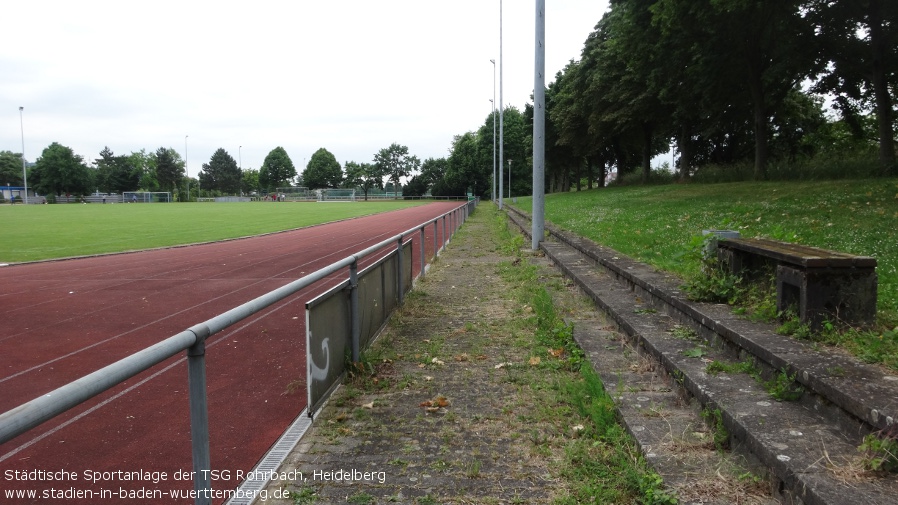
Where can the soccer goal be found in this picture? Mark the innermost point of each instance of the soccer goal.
(296, 193)
(146, 196)
(336, 195)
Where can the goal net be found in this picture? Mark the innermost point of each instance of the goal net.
(294, 193)
(336, 195)
(146, 196)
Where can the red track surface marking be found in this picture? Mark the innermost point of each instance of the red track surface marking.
(61, 320)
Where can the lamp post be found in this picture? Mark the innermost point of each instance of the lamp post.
(24, 171)
(186, 169)
(493, 102)
(239, 158)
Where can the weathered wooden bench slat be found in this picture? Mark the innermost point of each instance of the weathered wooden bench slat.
(797, 254)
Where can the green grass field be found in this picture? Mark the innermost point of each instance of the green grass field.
(36, 232)
(662, 225)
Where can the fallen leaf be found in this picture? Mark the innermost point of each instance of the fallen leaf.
(557, 352)
(461, 357)
(428, 378)
(535, 360)
(437, 361)
(503, 365)
(368, 405)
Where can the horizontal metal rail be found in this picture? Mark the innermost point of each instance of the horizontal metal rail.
(18, 420)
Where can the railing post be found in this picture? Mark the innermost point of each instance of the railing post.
(436, 248)
(399, 269)
(354, 323)
(423, 254)
(199, 420)
(445, 239)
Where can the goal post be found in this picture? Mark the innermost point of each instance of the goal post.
(146, 196)
(336, 195)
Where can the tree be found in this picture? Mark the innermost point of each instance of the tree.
(860, 40)
(434, 169)
(60, 171)
(221, 173)
(144, 164)
(169, 168)
(10, 168)
(323, 171)
(277, 170)
(395, 162)
(366, 176)
(250, 180)
(467, 167)
(416, 186)
(116, 173)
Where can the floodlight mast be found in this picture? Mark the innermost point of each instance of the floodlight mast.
(24, 170)
(493, 102)
(186, 169)
(539, 129)
(501, 112)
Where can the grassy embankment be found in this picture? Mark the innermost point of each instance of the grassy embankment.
(662, 226)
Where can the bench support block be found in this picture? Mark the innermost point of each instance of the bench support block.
(836, 294)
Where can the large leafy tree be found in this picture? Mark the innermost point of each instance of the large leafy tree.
(466, 169)
(396, 162)
(60, 171)
(860, 40)
(221, 173)
(169, 168)
(144, 164)
(366, 176)
(10, 168)
(277, 170)
(116, 173)
(322, 171)
(250, 180)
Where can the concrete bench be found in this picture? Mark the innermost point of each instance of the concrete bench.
(820, 284)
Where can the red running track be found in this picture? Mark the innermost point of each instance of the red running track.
(61, 320)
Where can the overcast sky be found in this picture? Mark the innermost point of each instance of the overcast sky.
(352, 76)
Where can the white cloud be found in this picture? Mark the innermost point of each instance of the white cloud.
(351, 76)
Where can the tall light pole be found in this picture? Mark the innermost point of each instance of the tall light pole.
(501, 113)
(24, 171)
(493, 102)
(539, 129)
(239, 158)
(509, 178)
(186, 169)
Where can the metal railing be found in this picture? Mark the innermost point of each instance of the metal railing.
(29, 415)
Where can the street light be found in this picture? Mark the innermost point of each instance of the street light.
(24, 171)
(493, 101)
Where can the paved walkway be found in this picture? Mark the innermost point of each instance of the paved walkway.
(448, 416)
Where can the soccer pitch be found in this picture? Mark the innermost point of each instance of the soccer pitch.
(38, 232)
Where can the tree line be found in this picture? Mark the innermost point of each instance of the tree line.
(730, 83)
(59, 171)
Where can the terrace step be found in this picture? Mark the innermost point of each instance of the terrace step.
(807, 446)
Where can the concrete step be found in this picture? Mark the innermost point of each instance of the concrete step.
(809, 446)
